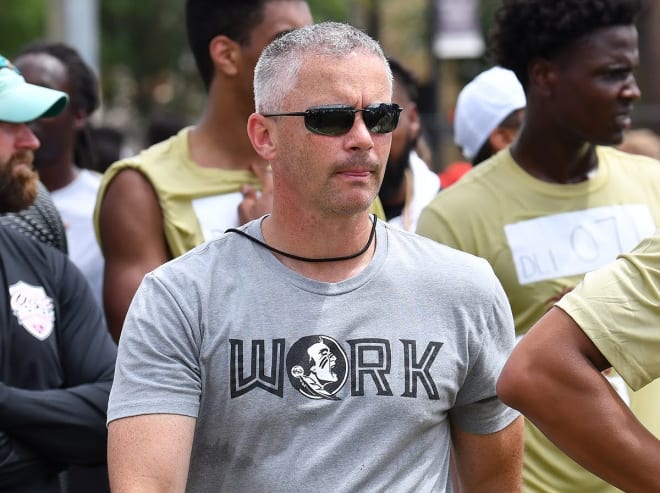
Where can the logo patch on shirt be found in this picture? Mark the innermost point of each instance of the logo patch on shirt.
(317, 367)
(33, 308)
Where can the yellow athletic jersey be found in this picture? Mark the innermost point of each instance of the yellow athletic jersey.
(618, 307)
(541, 238)
(198, 203)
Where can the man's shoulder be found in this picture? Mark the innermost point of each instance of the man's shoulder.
(483, 183)
(222, 261)
(412, 246)
(153, 164)
(631, 175)
(618, 158)
(159, 156)
(19, 246)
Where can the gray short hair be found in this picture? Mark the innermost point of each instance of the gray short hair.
(278, 66)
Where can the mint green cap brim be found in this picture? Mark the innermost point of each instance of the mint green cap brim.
(21, 102)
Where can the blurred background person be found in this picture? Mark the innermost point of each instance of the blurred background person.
(108, 145)
(66, 145)
(488, 115)
(190, 188)
(642, 141)
(489, 112)
(408, 184)
(162, 125)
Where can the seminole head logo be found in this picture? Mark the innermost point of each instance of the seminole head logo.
(317, 367)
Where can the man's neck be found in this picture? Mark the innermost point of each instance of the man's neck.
(552, 159)
(58, 175)
(324, 238)
(220, 140)
(221, 145)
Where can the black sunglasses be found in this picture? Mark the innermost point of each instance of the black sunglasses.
(338, 119)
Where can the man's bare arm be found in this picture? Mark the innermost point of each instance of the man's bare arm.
(553, 377)
(150, 453)
(488, 463)
(132, 240)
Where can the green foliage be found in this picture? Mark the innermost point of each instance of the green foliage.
(147, 36)
(143, 47)
(329, 10)
(21, 21)
(147, 39)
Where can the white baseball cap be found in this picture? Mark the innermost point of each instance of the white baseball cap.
(21, 102)
(482, 105)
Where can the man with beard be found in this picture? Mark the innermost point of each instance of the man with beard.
(408, 184)
(66, 148)
(40, 221)
(57, 355)
(65, 161)
(27, 206)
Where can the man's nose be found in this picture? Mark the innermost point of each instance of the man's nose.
(25, 138)
(359, 136)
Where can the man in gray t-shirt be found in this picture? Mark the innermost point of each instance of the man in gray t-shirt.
(317, 346)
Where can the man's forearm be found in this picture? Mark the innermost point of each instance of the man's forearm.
(65, 425)
(554, 378)
(601, 433)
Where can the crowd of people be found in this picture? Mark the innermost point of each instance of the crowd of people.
(290, 267)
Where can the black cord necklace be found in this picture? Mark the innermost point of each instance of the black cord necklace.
(372, 235)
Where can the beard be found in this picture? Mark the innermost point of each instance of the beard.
(18, 184)
(395, 169)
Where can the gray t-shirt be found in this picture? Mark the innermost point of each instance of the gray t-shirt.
(299, 384)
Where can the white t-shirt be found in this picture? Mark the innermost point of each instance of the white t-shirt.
(426, 185)
(75, 203)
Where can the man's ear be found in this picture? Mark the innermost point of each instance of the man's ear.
(79, 119)
(225, 53)
(542, 75)
(261, 132)
(414, 121)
